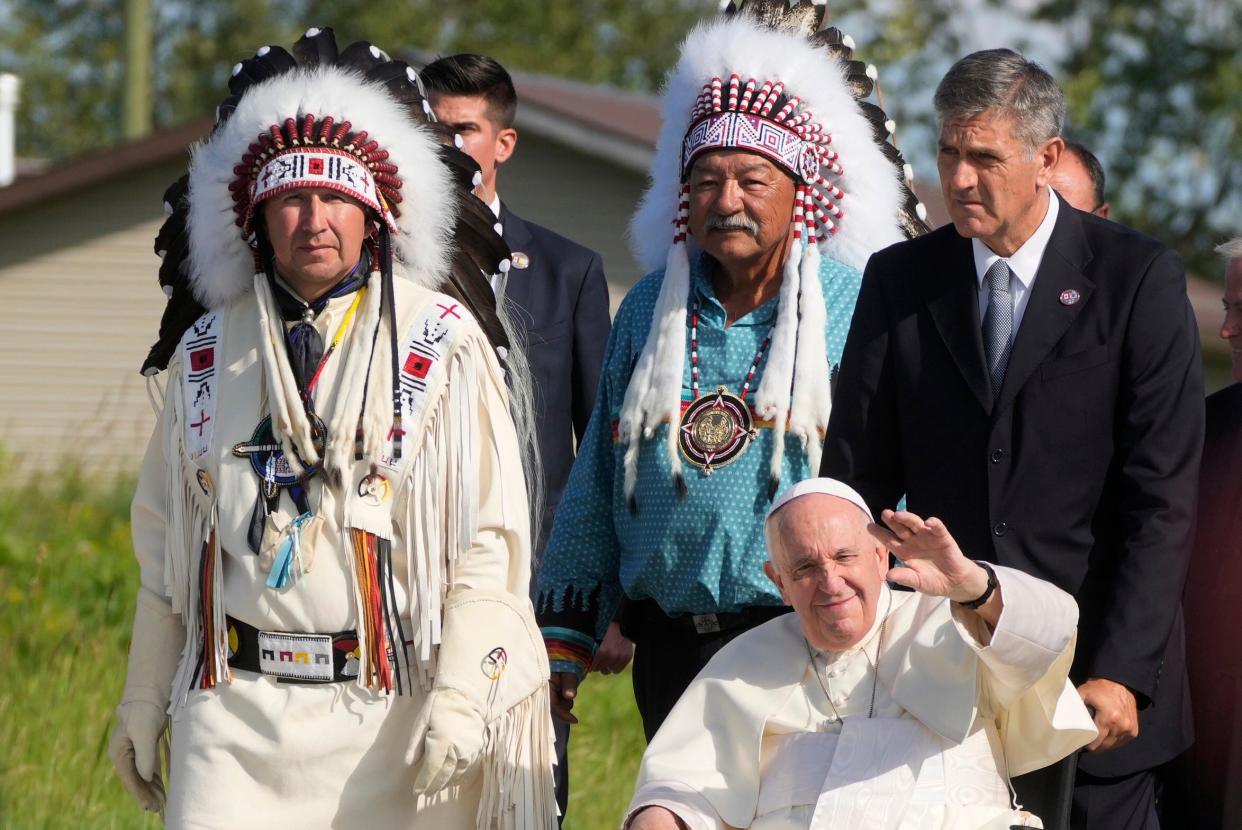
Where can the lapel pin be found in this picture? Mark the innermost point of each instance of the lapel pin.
(520, 260)
(1069, 296)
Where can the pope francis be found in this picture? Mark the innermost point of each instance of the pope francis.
(871, 707)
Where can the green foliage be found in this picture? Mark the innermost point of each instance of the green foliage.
(1157, 89)
(67, 587)
(70, 52)
(604, 750)
(1154, 89)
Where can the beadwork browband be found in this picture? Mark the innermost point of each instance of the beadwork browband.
(315, 153)
(792, 139)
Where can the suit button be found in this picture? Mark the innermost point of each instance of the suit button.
(1000, 528)
(997, 455)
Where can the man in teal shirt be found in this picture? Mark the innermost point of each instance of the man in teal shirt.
(716, 385)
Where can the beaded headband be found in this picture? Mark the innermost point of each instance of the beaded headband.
(315, 153)
(792, 140)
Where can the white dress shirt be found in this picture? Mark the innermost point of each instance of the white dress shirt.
(1024, 264)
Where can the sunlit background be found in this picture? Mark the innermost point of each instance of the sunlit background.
(103, 98)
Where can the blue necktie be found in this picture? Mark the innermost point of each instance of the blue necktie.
(998, 322)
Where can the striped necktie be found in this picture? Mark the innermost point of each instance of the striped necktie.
(998, 321)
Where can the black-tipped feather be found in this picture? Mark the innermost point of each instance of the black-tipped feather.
(877, 118)
(276, 60)
(181, 310)
(226, 108)
(832, 37)
(363, 56)
(403, 84)
(317, 47)
(804, 18)
(856, 77)
(462, 166)
(478, 240)
(478, 249)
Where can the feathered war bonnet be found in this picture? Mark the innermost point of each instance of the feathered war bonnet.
(770, 81)
(351, 120)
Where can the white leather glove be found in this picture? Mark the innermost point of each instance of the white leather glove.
(447, 740)
(491, 659)
(141, 717)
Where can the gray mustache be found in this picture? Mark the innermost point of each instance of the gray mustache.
(737, 221)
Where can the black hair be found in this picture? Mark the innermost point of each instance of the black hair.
(469, 74)
(1094, 169)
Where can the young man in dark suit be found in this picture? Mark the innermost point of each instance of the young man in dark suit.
(557, 289)
(1030, 375)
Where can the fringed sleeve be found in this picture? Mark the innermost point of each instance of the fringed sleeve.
(464, 528)
(173, 516)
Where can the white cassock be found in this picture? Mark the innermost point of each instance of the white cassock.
(759, 741)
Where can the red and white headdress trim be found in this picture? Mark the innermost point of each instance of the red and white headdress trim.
(315, 153)
(790, 137)
(742, 85)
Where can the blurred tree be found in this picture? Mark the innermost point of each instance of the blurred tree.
(1157, 90)
(626, 43)
(1154, 89)
(69, 52)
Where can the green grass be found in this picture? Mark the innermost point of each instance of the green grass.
(67, 587)
(604, 751)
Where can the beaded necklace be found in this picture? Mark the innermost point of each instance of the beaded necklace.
(717, 427)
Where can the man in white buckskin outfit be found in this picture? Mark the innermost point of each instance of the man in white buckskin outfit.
(331, 521)
(871, 707)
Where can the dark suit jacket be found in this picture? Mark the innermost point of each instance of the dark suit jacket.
(1081, 469)
(1209, 794)
(561, 300)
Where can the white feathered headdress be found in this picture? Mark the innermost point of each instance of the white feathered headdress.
(322, 118)
(769, 81)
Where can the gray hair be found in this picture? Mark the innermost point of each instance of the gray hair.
(1003, 80)
(1231, 249)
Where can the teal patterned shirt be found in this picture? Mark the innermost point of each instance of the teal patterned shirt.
(700, 554)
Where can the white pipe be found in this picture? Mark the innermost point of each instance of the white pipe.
(10, 85)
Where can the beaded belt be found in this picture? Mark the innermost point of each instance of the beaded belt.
(294, 657)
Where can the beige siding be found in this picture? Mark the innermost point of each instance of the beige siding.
(75, 326)
(80, 304)
(580, 197)
(79, 307)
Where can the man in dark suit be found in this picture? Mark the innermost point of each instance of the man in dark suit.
(1209, 773)
(1030, 375)
(1078, 178)
(556, 292)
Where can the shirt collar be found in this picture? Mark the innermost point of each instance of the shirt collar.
(1025, 261)
(293, 307)
(494, 204)
(712, 309)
